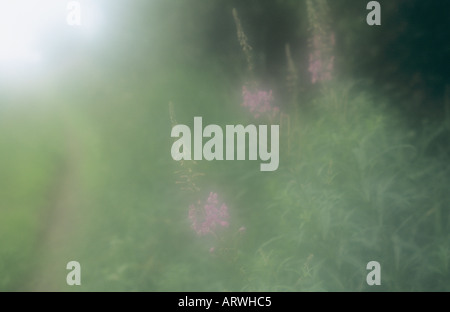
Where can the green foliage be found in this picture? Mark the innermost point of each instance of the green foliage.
(355, 183)
(360, 190)
(355, 186)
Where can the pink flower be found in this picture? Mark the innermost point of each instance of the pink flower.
(206, 218)
(321, 62)
(259, 102)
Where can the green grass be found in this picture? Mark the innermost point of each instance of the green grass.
(30, 163)
(355, 187)
(355, 184)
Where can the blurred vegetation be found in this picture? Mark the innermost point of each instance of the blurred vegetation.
(86, 172)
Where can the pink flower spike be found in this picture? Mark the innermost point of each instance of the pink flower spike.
(205, 218)
(257, 103)
(321, 60)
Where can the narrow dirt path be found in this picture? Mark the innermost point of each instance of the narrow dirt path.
(59, 233)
